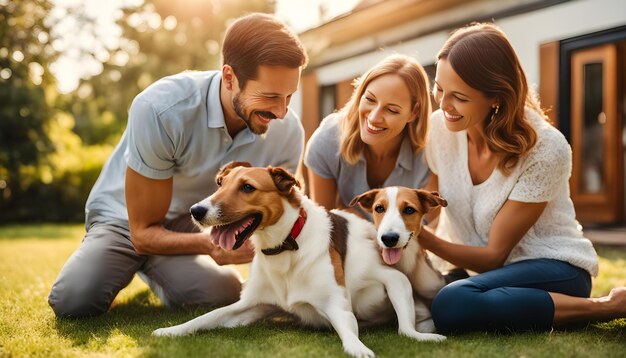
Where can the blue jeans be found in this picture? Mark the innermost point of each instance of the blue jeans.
(511, 298)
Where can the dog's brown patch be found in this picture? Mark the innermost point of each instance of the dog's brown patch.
(269, 186)
(409, 198)
(338, 246)
(366, 200)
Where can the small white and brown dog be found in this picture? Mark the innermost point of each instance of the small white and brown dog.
(398, 213)
(322, 267)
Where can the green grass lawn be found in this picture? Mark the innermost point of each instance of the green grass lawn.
(31, 257)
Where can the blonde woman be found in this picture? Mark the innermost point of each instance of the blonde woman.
(504, 171)
(376, 139)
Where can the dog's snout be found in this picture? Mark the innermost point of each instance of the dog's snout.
(390, 239)
(198, 211)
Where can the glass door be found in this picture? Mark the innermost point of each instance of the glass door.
(597, 173)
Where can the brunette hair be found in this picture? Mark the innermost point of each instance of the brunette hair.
(260, 39)
(483, 57)
(416, 80)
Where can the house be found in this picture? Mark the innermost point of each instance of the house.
(573, 53)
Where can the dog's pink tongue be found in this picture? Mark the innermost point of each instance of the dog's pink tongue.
(224, 236)
(227, 240)
(392, 256)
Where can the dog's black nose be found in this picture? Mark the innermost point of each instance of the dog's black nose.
(390, 239)
(198, 211)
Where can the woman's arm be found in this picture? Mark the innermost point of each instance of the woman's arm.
(323, 191)
(509, 226)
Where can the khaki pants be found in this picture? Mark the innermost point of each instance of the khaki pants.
(105, 262)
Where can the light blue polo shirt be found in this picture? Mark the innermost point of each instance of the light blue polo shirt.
(324, 159)
(176, 129)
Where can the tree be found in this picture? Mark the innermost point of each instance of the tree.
(53, 146)
(26, 90)
(159, 38)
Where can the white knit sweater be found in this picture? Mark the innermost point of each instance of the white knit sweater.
(540, 176)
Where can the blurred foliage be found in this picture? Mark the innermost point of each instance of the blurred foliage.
(159, 38)
(53, 146)
(26, 93)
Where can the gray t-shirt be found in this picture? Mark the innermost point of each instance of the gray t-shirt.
(323, 158)
(176, 129)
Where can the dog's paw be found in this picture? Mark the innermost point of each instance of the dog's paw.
(426, 326)
(424, 337)
(168, 332)
(432, 337)
(358, 350)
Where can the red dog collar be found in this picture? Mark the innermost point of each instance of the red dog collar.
(290, 241)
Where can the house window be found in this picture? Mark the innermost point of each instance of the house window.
(593, 121)
(431, 71)
(582, 82)
(328, 100)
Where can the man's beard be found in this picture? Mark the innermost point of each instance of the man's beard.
(241, 110)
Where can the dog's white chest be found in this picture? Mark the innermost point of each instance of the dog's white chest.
(298, 283)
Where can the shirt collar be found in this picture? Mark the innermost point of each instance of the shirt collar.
(216, 114)
(214, 104)
(405, 156)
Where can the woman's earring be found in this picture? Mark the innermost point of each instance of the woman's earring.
(495, 112)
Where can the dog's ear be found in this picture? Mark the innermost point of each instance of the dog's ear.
(430, 199)
(283, 180)
(227, 168)
(366, 199)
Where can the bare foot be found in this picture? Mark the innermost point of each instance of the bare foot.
(617, 299)
(614, 303)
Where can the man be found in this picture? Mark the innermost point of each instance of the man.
(181, 130)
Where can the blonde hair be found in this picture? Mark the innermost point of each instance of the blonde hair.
(483, 57)
(416, 80)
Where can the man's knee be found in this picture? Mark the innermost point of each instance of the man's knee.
(101, 266)
(220, 288)
(74, 301)
(231, 284)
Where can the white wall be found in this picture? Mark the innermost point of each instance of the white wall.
(525, 31)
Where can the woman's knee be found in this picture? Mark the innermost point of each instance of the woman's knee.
(452, 307)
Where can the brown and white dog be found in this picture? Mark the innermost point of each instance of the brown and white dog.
(322, 267)
(398, 213)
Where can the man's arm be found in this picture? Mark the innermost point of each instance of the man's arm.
(147, 201)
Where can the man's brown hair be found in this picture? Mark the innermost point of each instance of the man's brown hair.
(260, 39)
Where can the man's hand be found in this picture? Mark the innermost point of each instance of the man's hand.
(242, 255)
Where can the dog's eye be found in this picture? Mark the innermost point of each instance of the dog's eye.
(408, 210)
(247, 188)
(379, 209)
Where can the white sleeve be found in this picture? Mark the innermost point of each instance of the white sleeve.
(432, 142)
(547, 168)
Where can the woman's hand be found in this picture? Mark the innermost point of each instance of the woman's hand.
(510, 225)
